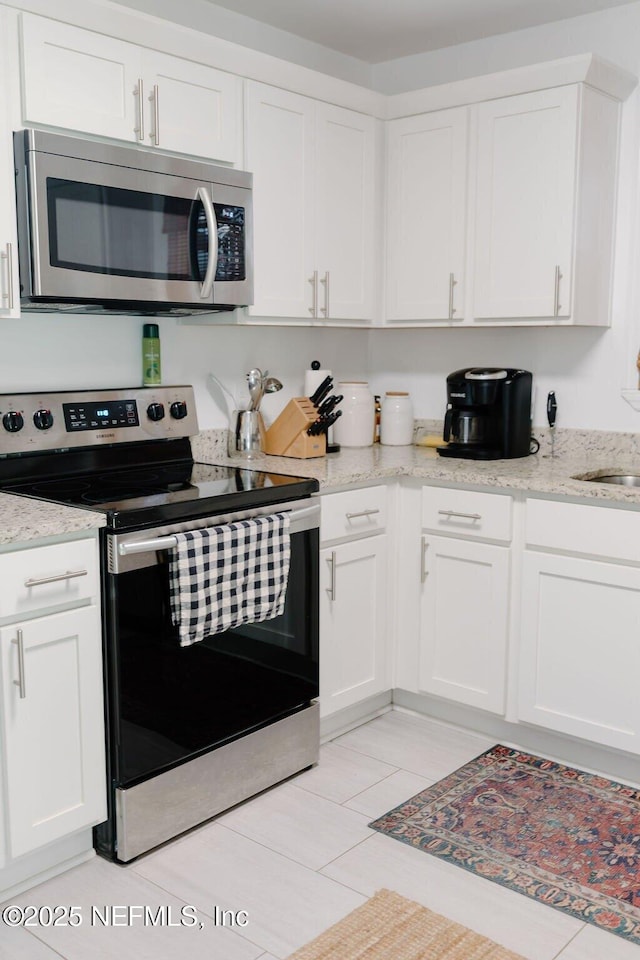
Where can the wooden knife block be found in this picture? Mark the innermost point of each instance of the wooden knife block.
(287, 436)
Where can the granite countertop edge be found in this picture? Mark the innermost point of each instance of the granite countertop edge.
(23, 519)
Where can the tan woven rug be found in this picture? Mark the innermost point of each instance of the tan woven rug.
(389, 927)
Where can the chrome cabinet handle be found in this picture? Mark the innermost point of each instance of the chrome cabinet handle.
(556, 295)
(20, 682)
(325, 309)
(8, 256)
(464, 516)
(363, 513)
(154, 98)
(452, 284)
(332, 583)
(423, 559)
(69, 575)
(212, 234)
(313, 280)
(139, 93)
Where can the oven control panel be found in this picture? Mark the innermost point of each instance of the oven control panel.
(30, 422)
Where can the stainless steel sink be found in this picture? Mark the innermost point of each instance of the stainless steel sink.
(622, 479)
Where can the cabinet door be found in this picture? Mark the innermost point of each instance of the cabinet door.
(463, 621)
(580, 657)
(526, 184)
(78, 79)
(53, 727)
(353, 579)
(193, 108)
(345, 208)
(9, 286)
(279, 152)
(426, 216)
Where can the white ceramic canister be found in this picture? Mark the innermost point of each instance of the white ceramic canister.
(355, 427)
(396, 419)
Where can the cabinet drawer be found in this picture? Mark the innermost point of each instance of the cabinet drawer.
(353, 513)
(42, 577)
(466, 513)
(582, 528)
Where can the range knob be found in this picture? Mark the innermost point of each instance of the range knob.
(13, 421)
(155, 411)
(43, 419)
(178, 410)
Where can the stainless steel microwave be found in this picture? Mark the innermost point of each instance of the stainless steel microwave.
(104, 227)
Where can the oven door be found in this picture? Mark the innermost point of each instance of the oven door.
(101, 232)
(169, 704)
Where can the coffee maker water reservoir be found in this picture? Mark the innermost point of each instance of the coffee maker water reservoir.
(488, 414)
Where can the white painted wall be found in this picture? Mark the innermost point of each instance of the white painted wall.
(586, 368)
(65, 352)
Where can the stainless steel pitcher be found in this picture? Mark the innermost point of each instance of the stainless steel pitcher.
(246, 436)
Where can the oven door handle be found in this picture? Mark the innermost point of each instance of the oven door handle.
(297, 520)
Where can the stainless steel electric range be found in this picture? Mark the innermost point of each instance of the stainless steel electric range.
(190, 730)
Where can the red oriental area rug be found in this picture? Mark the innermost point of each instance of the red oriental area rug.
(567, 838)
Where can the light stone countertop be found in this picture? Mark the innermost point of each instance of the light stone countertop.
(23, 519)
(576, 452)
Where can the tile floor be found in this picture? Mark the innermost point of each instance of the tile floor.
(297, 859)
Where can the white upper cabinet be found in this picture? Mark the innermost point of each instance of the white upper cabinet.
(427, 215)
(279, 152)
(193, 108)
(344, 206)
(313, 167)
(525, 210)
(80, 80)
(9, 285)
(503, 211)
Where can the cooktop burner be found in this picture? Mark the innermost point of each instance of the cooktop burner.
(140, 497)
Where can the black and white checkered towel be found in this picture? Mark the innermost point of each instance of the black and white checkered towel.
(223, 576)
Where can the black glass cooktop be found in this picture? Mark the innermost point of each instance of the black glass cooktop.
(156, 493)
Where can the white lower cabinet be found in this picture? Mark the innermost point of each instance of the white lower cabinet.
(53, 727)
(464, 607)
(465, 564)
(354, 581)
(579, 655)
(52, 763)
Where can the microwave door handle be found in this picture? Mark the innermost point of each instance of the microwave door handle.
(212, 232)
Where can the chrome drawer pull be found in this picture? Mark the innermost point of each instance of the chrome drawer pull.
(452, 283)
(154, 98)
(69, 575)
(325, 309)
(8, 256)
(313, 280)
(465, 516)
(332, 584)
(556, 293)
(423, 560)
(139, 93)
(363, 513)
(20, 682)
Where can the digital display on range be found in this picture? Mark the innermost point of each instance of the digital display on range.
(97, 416)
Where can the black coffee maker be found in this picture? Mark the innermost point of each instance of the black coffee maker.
(488, 414)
